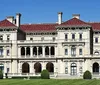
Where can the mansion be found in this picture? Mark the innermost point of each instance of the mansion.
(65, 48)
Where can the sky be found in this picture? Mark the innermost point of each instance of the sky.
(45, 11)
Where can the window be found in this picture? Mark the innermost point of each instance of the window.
(1, 37)
(66, 70)
(73, 50)
(80, 51)
(80, 36)
(42, 38)
(7, 52)
(73, 69)
(53, 38)
(1, 51)
(8, 37)
(31, 38)
(73, 36)
(7, 70)
(96, 40)
(66, 51)
(66, 37)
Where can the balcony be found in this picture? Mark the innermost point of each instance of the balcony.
(5, 41)
(36, 41)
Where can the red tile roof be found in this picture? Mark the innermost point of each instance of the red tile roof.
(95, 26)
(6, 23)
(74, 21)
(38, 27)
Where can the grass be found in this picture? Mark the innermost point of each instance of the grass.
(49, 82)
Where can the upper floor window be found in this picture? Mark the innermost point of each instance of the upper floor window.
(8, 37)
(96, 40)
(80, 51)
(7, 52)
(73, 36)
(66, 36)
(66, 51)
(31, 38)
(73, 50)
(53, 38)
(1, 51)
(80, 36)
(1, 37)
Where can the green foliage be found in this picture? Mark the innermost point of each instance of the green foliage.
(45, 74)
(87, 75)
(1, 75)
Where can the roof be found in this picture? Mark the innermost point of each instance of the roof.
(38, 27)
(95, 25)
(74, 21)
(6, 23)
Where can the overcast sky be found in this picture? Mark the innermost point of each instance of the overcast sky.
(42, 11)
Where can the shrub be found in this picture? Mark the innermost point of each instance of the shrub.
(45, 74)
(1, 75)
(87, 75)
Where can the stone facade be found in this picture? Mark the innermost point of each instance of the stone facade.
(65, 49)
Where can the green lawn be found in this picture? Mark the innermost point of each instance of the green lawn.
(48, 82)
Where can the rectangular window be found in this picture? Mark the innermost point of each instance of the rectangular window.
(80, 51)
(1, 37)
(73, 51)
(73, 36)
(80, 36)
(66, 51)
(7, 52)
(96, 40)
(31, 38)
(66, 36)
(8, 37)
(1, 51)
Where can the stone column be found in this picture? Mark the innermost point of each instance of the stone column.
(49, 51)
(37, 51)
(4, 52)
(25, 52)
(19, 51)
(55, 51)
(43, 51)
(31, 67)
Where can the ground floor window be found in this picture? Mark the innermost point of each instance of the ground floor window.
(95, 68)
(25, 67)
(73, 69)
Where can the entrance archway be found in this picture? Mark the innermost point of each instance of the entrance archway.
(95, 68)
(37, 67)
(50, 67)
(73, 69)
(25, 67)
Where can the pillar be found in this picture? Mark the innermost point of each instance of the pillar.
(43, 51)
(49, 51)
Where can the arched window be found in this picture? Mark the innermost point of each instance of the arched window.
(22, 51)
(73, 69)
(52, 50)
(28, 51)
(95, 68)
(46, 50)
(50, 67)
(37, 67)
(34, 50)
(25, 67)
(39, 50)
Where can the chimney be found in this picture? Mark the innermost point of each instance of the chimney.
(60, 17)
(18, 16)
(76, 16)
(10, 19)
